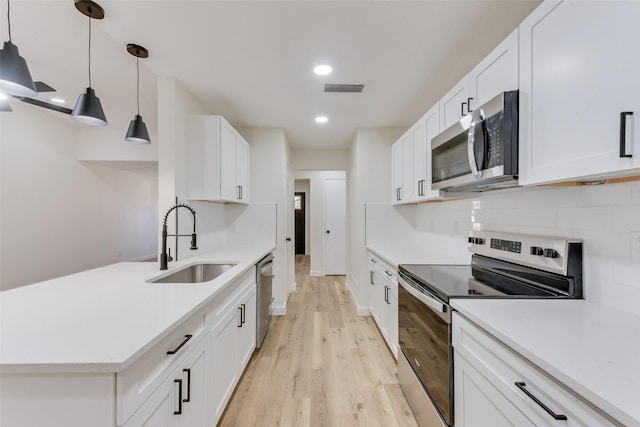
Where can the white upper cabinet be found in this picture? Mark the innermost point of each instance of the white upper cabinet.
(496, 73)
(579, 68)
(455, 104)
(422, 132)
(217, 161)
(401, 153)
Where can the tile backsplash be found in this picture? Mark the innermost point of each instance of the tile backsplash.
(605, 217)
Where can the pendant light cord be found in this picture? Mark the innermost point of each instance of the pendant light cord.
(138, 83)
(8, 19)
(90, 17)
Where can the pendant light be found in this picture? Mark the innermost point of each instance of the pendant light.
(15, 78)
(137, 132)
(88, 109)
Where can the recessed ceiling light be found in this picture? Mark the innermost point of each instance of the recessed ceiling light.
(57, 100)
(322, 70)
(322, 119)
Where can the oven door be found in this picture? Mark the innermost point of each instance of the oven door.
(424, 331)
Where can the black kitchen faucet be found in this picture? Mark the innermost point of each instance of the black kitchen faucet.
(164, 257)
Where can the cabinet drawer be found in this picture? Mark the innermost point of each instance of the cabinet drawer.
(135, 384)
(229, 296)
(522, 382)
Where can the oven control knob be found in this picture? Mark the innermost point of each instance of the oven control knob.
(479, 241)
(536, 250)
(550, 253)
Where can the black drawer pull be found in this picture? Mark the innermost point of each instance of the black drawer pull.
(179, 411)
(462, 104)
(244, 309)
(623, 133)
(240, 325)
(469, 110)
(521, 385)
(177, 349)
(188, 398)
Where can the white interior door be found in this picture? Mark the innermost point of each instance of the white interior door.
(290, 244)
(335, 230)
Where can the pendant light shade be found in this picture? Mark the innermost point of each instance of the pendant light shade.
(137, 132)
(88, 109)
(15, 78)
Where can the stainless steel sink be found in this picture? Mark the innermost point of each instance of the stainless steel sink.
(196, 273)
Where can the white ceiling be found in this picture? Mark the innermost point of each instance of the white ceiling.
(252, 61)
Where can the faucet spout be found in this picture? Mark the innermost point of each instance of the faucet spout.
(164, 257)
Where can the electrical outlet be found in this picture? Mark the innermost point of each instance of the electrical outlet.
(634, 242)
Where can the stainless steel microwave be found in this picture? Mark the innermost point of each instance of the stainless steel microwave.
(479, 152)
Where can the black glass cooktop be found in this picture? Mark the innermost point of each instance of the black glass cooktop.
(464, 281)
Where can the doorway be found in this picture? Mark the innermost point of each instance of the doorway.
(300, 222)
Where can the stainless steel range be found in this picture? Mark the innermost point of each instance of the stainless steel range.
(502, 266)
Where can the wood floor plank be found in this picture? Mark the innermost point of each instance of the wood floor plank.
(321, 365)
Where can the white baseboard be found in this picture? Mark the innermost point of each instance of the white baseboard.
(362, 311)
(279, 311)
(316, 273)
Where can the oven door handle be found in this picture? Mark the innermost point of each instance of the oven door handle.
(427, 300)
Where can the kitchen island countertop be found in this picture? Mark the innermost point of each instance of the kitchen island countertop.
(102, 320)
(593, 349)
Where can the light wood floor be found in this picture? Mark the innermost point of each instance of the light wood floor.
(320, 365)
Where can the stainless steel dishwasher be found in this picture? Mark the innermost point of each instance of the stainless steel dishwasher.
(264, 273)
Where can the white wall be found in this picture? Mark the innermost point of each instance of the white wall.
(268, 174)
(369, 181)
(316, 215)
(108, 144)
(61, 216)
(304, 186)
(305, 159)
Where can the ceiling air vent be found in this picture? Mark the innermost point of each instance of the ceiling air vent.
(343, 88)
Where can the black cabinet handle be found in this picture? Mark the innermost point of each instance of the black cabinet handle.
(244, 310)
(179, 411)
(623, 133)
(469, 110)
(371, 277)
(462, 104)
(240, 325)
(177, 349)
(188, 398)
(521, 385)
(239, 192)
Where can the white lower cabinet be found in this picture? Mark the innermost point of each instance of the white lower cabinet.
(180, 399)
(494, 386)
(383, 300)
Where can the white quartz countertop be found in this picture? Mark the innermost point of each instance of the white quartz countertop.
(102, 320)
(395, 255)
(592, 349)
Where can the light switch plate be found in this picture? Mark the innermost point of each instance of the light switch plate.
(634, 242)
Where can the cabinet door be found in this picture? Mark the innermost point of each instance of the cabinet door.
(406, 193)
(392, 318)
(158, 410)
(192, 373)
(426, 129)
(228, 188)
(396, 166)
(246, 329)
(454, 105)
(497, 73)
(577, 75)
(479, 403)
(242, 170)
(223, 363)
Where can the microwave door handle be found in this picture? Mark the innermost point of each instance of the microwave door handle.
(427, 300)
(476, 119)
